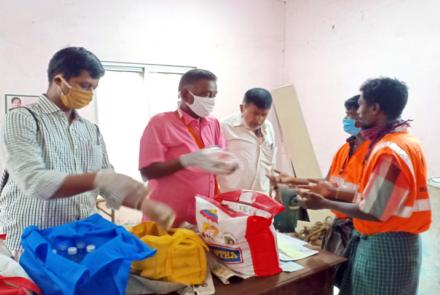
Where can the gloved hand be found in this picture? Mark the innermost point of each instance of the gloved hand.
(120, 189)
(159, 212)
(212, 159)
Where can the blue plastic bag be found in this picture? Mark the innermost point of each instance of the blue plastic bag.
(103, 271)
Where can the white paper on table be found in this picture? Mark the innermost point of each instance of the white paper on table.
(294, 248)
(284, 257)
(207, 288)
(290, 266)
(294, 242)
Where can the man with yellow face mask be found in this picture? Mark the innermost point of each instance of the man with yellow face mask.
(56, 161)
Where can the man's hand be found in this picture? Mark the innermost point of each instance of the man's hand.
(120, 189)
(311, 200)
(314, 201)
(159, 212)
(283, 178)
(321, 187)
(212, 159)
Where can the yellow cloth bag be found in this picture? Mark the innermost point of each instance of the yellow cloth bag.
(180, 258)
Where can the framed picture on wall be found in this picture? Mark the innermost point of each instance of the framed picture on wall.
(13, 101)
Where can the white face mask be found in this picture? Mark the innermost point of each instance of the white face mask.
(202, 106)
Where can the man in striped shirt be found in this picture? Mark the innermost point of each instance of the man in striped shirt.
(393, 205)
(57, 160)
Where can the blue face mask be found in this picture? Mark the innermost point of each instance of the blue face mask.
(350, 126)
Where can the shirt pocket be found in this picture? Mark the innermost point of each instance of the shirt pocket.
(268, 151)
(92, 157)
(175, 149)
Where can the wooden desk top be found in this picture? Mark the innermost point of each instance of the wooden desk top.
(312, 265)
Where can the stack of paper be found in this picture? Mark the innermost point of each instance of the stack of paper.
(287, 263)
(290, 266)
(293, 248)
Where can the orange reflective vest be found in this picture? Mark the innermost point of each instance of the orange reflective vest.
(346, 171)
(414, 216)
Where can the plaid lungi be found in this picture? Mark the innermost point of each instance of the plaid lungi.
(385, 264)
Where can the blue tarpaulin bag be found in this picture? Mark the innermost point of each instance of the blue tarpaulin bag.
(102, 271)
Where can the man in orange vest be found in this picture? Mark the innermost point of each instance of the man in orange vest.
(345, 173)
(393, 205)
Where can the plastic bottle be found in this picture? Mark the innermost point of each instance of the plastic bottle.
(90, 248)
(72, 254)
(62, 249)
(81, 246)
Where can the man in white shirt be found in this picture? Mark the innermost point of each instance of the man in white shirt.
(251, 138)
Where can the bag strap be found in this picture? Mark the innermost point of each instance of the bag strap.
(5, 176)
(199, 141)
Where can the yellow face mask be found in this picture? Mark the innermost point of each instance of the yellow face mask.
(76, 98)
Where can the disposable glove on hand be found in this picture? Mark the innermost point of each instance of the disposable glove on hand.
(159, 212)
(120, 189)
(212, 159)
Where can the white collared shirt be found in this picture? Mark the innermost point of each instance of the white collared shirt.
(255, 155)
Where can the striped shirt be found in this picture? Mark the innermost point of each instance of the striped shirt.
(38, 162)
(386, 191)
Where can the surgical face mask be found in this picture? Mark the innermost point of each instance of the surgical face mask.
(202, 106)
(76, 98)
(350, 126)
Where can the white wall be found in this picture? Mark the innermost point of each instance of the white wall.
(240, 41)
(333, 46)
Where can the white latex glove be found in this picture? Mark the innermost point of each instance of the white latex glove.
(212, 159)
(159, 212)
(118, 188)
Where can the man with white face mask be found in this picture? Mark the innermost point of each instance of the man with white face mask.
(251, 138)
(180, 151)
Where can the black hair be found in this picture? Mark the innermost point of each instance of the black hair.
(352, 103)
(194, 75)
(15, 98)
(390, 94)
(260, 97)
(70, 61)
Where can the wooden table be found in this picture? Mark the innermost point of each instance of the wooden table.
(314, 279)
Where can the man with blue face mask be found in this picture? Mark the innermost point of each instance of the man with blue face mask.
(392, 205)
(345, 172)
